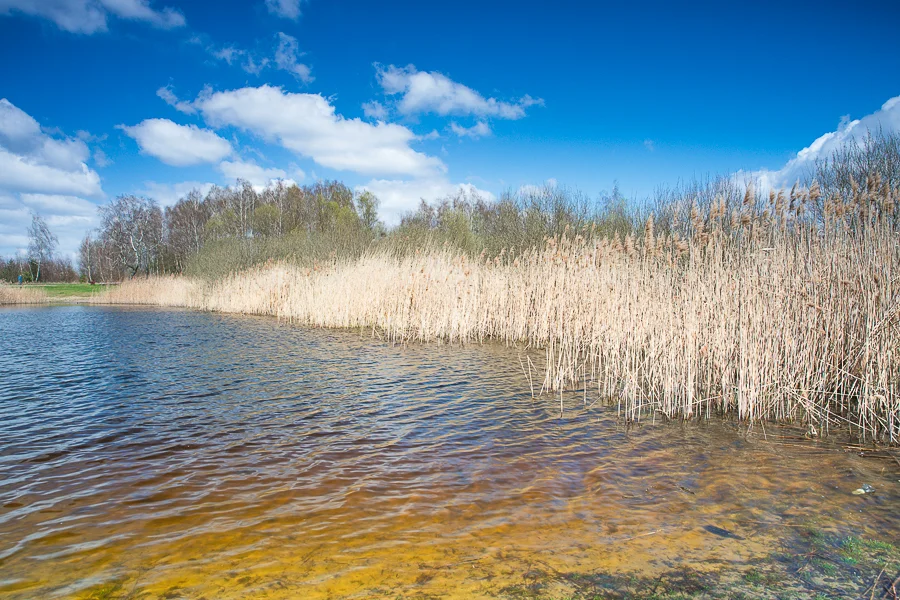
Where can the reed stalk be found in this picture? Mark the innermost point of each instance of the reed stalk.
(14, 294)
(767, 313)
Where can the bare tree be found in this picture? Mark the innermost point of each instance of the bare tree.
(186, 227)
(87, 257)
(41, 245)
(132, 226)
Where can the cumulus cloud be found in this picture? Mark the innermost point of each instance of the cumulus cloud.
(308, 125)
(399, 197)
(101, 159)
(886, 119)
(375, 110)
(90, 16)
(68, 228)
(287, 9)
(45, 174)
(178, 145)
(476, 131)
(14, 221)
(50, 204)
(33, 162)
(23, 174)
(431, 92)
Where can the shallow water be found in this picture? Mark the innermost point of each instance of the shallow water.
(157, 453)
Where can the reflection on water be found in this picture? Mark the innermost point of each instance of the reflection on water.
(180, 454)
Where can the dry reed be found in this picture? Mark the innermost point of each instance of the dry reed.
(10, 294)
(766, 313)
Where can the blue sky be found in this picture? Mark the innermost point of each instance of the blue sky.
(415, 99)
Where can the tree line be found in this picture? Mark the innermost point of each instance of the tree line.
(137, 237)
(231, 224)
(232, 228)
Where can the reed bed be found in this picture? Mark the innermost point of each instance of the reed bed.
(10, 294)
(167, 290)
(785, 309)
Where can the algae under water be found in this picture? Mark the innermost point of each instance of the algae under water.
(152, 453)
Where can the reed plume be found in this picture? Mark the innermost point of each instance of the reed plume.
(795, 322)
(10, 294)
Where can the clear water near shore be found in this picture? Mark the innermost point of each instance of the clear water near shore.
(152, 453)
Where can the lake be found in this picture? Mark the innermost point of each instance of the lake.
(174, 454)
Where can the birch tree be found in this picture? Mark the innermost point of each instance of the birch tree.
(41, 245)
(132, 226)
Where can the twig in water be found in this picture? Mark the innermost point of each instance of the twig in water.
(875, 585)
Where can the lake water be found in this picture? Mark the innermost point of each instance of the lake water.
(172, 454)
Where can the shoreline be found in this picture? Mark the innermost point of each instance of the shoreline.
(835, 431)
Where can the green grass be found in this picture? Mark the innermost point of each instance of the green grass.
(68, 290)
(854, 550)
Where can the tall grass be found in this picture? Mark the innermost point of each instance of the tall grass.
(765, 311)
(10, 294)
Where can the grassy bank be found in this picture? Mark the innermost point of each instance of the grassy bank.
(38, 293)
(766, 313)
(70, 290)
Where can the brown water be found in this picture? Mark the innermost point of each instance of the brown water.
(172, 454)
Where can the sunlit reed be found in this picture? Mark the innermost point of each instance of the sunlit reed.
(14, 294)
(765, 313)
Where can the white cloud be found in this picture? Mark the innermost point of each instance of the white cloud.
(178, 145)
(308, 125)
(253, 64)
(87, 136)
(90, 16)
(649, 145)
(375, 110)
(530, 189)
(476, 131)
(399, 197)
(167, 194)
(64, 206)
(288, 9)
(228, 53)
(101, 159)
(67, 216)
(22, 174)
(886, 119)
(287, 58)
(250, 171)
(172, 100)
(43, 174)
(432, 92)
(33, 162)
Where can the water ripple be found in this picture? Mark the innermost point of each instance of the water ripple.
(131, 436)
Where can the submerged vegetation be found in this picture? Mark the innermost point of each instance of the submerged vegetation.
(808, 565)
